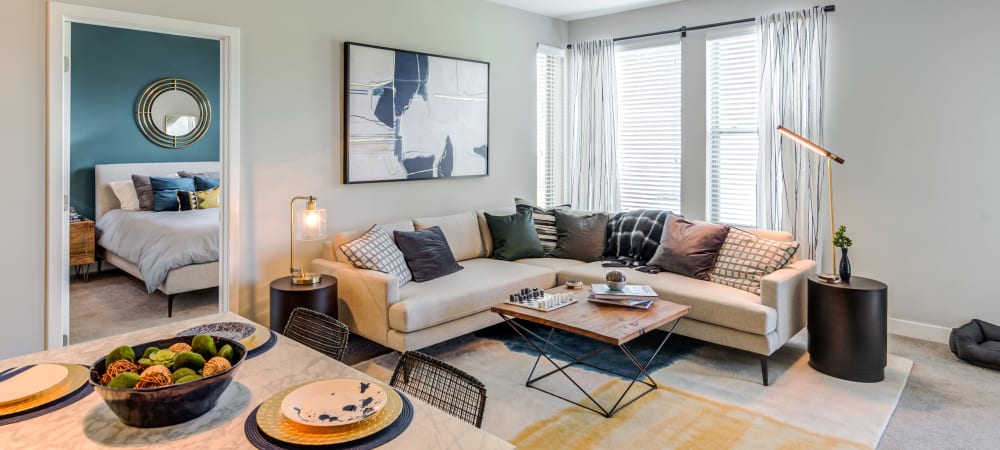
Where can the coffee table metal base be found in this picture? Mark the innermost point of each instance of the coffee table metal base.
(641, 376)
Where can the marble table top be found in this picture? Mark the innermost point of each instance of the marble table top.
(89, 423)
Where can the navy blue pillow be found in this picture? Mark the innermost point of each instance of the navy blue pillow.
(165, 192)
(426, 253)
(203, 184)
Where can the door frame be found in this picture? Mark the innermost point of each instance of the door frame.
(58, 150)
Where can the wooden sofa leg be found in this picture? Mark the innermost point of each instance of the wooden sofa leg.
(763, 370)
(170, 305)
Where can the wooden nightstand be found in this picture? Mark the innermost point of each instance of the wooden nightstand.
(82, 247)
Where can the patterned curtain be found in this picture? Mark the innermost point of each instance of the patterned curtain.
(591, 158)
(793, 77)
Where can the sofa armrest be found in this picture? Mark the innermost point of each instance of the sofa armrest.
(365, 296)
(785, 291)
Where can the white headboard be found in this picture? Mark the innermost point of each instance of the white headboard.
(104, 198)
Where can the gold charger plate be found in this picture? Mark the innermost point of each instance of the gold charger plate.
(76, 377)
(274, 424)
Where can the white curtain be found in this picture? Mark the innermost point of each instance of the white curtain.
(591, 180)
(793, 76)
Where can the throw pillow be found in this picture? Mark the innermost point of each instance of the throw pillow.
(635, 234)
(128, 200)
(689, 247)
(545, 222)
(427, 253)
(580, 237)
(210, 198)
(745, 258)
(143, 191)
(186, 174)
(187, 200)
(514, 236)
(375, 250)
(204, 184)
(165, 192)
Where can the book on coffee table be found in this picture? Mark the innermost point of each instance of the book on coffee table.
(639, 303)
(630, 290)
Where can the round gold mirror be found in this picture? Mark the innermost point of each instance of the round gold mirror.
(173, 113)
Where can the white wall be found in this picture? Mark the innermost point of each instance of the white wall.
(292, 103)
(912, 104)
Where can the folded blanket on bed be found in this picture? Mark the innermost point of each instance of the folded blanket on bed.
(158, 242)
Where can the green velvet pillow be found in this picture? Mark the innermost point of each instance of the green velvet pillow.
(514, 236)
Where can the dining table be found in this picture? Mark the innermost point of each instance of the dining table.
(89, 423)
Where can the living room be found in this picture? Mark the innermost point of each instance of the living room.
(904, 102)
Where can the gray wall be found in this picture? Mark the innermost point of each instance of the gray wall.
(912, 105)
(291, 94)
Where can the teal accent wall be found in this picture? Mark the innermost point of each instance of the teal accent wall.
(110, 69)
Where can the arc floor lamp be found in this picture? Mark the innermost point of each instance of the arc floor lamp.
(831, 157)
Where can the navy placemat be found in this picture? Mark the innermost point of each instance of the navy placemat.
(271, 341)
(42, 410)
(265, 442)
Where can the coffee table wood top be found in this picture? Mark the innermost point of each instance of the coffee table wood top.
(606, 323)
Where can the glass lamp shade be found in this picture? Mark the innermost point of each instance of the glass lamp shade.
(311, 225)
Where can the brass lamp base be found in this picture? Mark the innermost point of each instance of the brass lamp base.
(306, 278)
(829, 277)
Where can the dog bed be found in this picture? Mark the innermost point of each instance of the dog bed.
(978, 343)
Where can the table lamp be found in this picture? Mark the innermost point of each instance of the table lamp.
(311, 227)
(830, 158)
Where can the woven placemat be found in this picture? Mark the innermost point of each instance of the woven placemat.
(271, 341)
(265, 442)
(42, 410)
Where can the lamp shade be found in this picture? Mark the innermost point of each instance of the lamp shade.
(311, 224)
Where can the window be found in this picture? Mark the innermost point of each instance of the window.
(549, 110)
(648, 73)
(733, 83)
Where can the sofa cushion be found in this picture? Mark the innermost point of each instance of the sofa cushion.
(709, 302)
(483, 283)
(461, 230)
(689, 247)
(580, 237)
(484, 228)
(514, 236)
(376, 250)
(427, 253)
(545, 221)
(554, 264)
(336, 254)
(745, 258)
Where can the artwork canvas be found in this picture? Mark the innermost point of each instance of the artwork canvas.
(411, 115)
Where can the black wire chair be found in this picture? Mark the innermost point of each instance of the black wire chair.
(442, 385)
(318, 331)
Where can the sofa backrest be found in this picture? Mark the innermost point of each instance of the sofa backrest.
(462, 232)
(332, 249)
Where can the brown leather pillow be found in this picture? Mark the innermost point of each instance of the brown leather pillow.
(689, 247)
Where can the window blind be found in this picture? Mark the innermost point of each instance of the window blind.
(648, 73)
(549, 133)
(733, 84)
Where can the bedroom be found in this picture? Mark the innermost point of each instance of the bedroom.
(143, 141)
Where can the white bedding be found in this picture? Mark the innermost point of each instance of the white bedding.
(158, 242)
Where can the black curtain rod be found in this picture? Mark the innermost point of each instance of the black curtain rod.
(684, 30)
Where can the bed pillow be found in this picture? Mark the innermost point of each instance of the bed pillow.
(143, 191)
(125, 192)
(689, 247)
(186, 174)
(427, 253)
(211, 198)
(204, 183)
(514, 236)
(745, 258)
(187, 200)
(375, 250)
(165, 192)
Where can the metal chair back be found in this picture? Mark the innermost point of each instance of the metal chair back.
(318, 331)
(442, 385)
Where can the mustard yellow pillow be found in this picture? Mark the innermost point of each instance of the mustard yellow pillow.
(210, 198)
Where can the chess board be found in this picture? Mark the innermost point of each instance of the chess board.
(548, 299)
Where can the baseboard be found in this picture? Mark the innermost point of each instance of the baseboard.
(919, 330)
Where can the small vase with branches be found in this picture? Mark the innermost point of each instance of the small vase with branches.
(841, 240)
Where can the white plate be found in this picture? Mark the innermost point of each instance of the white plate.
(333, 402)
(31, 382)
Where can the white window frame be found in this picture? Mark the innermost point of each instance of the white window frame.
(550, 131)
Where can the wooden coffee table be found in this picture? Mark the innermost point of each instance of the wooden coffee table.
(612, 325)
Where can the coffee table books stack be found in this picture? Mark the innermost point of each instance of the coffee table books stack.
(632, 296)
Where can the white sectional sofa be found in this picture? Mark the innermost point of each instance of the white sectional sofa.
(417, 315)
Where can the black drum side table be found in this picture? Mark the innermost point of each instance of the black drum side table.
(848, 336)
(285, 297)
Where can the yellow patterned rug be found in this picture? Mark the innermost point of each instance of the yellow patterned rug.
(709, 398)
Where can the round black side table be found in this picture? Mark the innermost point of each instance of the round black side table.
(285, 297)
(848, 334)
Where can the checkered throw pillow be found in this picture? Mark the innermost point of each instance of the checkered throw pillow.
(745, 258)
(375, 250)
(545, 222)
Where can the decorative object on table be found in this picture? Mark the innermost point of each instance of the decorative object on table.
(537, 299)
(574, 284)
(411, 115)
(848, 334)
(330, 403)
(272, 422)
(633, 290)
(67, 391)
(977, 343)
(318, 331)
(173, 113)
(311, 226)
(831, 157)
(153, 398)
(616, 280)
(286, 297)
(841, 240)
(628, 302)
(32, 382)
(235, 331)
(442, 385)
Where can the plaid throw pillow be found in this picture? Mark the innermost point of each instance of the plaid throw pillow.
(635, 234)
(745, 258)
(545, 222)
(375, 250)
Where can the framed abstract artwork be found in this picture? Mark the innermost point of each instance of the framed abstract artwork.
(411, 115)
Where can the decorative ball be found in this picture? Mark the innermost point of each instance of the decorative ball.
(226, 352)
(180, 347)
(189, 359)
(163, 370)
(117, 368)
(124, 380)
(616, 280)
(124, 352)
(181, 373)
(216, 365)
(204, 345)
(151, 380)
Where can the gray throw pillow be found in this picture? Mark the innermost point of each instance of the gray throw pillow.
(427, 253)
(375, 250)
(689, 247)
(143, 190)
(580, 237)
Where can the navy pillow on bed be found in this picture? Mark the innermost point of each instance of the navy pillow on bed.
(165, 192)
(205, 183)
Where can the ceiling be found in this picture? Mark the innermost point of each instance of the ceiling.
(579, 9)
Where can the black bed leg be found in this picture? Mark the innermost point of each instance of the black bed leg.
(763, 370)
(170, 306)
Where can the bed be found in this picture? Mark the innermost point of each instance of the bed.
(173, 252)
